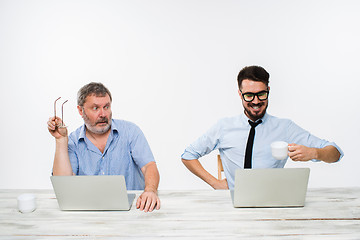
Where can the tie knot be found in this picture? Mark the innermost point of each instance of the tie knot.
(254, 124)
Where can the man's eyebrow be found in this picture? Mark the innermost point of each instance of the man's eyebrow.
(257, 92)
(99, 106)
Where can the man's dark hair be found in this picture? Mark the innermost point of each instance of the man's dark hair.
(254, 73)
(93, 88)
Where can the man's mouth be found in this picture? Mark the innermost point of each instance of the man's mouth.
(256, 107)
(103, 121)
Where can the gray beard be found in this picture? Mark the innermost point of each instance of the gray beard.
(96, 130)
(93, 129)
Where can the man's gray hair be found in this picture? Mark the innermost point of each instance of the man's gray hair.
(93, 88)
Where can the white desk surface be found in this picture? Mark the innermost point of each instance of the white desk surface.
(332, 213)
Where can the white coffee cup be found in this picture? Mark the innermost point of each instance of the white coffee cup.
(26, 202)
(279, 150)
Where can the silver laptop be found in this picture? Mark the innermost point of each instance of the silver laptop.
(92, 192)
(273, 187)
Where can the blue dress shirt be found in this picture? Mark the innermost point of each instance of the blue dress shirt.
(126, 152)
(229, 136)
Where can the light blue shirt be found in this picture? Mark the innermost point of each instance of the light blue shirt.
(126, 152)
(229, 136)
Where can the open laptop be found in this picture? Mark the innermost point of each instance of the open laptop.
(92, 192)
(272, 187)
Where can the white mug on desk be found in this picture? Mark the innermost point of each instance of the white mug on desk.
(279, 150)
(26, 203)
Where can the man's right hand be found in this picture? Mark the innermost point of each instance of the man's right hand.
(55, 128)
(221, 184)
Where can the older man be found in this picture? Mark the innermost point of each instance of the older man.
(105, 146)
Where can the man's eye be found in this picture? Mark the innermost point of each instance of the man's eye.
(95, 108)
(249, 95)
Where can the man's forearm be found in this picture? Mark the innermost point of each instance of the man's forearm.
(152, 177)
(328, 154)
(62, 164)
(196, 168)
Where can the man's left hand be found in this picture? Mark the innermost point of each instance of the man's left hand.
(147, 201)
(301, 153)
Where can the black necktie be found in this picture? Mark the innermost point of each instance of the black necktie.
(250, 143)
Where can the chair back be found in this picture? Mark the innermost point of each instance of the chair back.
(220, 167)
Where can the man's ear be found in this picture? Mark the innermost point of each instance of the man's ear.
(80, 109)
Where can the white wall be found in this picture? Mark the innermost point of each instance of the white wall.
(171, 67)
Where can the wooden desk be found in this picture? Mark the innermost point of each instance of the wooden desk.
(205, 214)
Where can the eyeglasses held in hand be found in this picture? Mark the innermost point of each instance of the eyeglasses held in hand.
(249, 96)
(62, 112)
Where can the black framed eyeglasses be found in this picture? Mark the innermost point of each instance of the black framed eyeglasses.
(249, 96)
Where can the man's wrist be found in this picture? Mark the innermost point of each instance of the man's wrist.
(150, 189)
(213, 182)
(316, 153)
(62, 140)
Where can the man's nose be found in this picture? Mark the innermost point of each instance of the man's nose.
(255, 100)
(102, 112)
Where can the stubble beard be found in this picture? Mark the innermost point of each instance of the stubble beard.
(93, 128)
(255, 117)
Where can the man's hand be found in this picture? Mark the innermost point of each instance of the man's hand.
(147, 201)
(301, 153)
(55, 128)
(221, 184)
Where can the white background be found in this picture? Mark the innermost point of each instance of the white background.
(171, 67)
